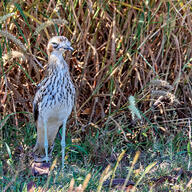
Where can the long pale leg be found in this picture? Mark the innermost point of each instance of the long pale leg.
(45, 140)
(63, 142)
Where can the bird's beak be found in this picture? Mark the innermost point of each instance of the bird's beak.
(69, 48)
(64, 48)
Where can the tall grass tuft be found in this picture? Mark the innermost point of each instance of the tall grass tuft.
(48, 23)
(133, 109)
(14, 39)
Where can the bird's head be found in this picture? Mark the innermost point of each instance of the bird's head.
(58, 43)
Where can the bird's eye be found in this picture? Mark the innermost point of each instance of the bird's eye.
(55, 45)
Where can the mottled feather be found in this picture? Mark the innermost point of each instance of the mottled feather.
(54, 99)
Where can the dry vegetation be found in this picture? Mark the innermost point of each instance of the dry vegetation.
(122, 48)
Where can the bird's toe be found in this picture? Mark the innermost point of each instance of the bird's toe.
(42, 159)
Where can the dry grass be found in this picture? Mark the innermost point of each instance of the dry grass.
(122, 48)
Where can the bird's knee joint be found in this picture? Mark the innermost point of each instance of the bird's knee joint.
(63, 143)
(46, 145)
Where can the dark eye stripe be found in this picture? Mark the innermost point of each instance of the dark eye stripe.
(55, 45)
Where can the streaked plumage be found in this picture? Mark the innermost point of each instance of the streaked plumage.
(54, 100)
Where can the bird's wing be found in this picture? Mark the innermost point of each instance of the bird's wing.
(37, 99)
(36, 106)
(35, 111)
(38, 96)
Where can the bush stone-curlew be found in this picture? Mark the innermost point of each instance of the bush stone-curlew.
(54, 100)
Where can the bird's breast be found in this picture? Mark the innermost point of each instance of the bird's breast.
(58, 95)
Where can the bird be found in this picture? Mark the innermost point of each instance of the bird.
(53, 101)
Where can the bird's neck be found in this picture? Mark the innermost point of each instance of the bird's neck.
(57, 62)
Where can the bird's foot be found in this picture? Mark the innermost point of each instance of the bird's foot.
(38, 154)
(42, 159)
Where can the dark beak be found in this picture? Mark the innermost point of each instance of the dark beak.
(70, 48)
(66, 48)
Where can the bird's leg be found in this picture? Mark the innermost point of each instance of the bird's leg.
(46, 141)
(63, 142)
